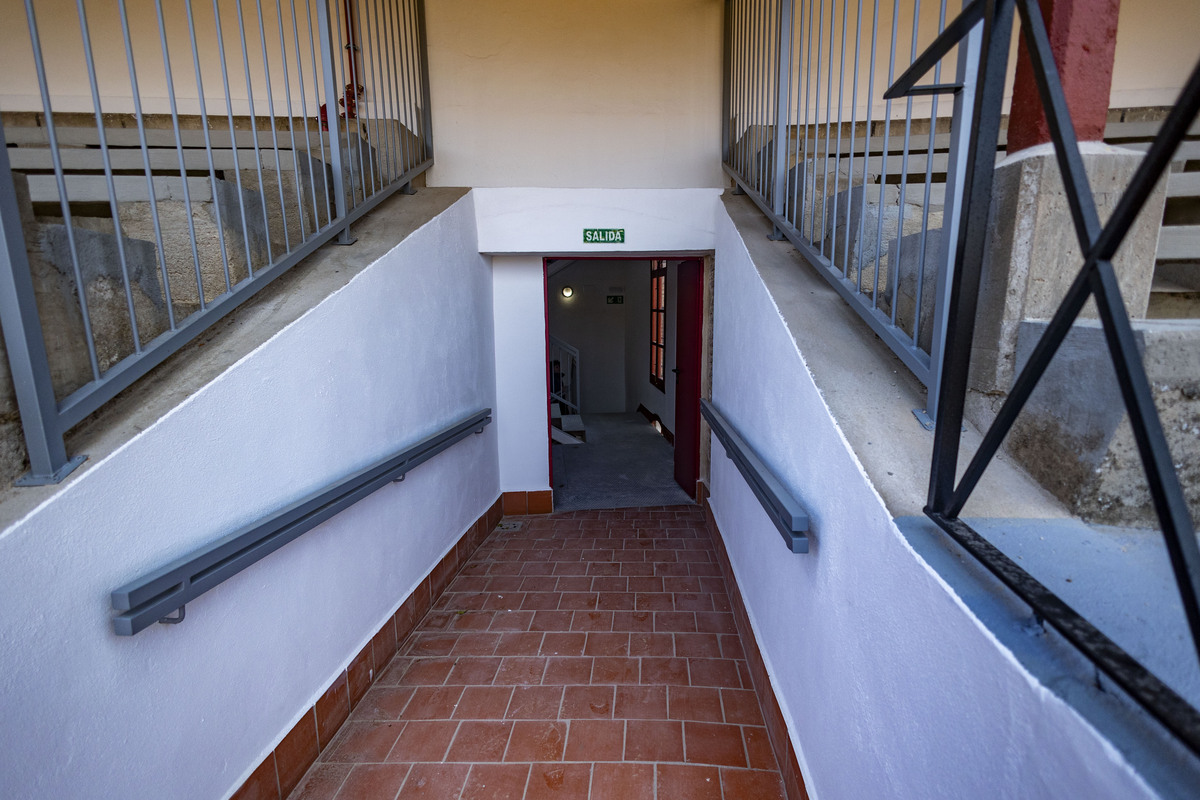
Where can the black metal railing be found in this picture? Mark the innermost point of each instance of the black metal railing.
(784, 510)
(993, 19)
(155, 595)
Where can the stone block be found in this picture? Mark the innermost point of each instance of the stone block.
(1074, 435)
(211, 221)
(911, 261)
(1033, 254)
(875, 212)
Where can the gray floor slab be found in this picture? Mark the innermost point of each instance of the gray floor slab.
(625, 463)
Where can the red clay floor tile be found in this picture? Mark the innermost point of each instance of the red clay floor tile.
(579, 655)
(559, 782)
(496, 782)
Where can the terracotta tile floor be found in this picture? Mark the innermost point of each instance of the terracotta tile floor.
(590, 654)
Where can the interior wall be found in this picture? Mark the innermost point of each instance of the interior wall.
(568, 93)
(889, 685)
(597, 329)
(404, 349)
(521, 404)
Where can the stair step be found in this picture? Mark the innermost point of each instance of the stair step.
(562, 437)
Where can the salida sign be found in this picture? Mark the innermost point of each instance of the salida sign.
(604, 236)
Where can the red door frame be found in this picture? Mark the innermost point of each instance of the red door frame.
(694, 335)
(689, 321)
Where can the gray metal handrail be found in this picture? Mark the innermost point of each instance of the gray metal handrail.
(155, 595)
(784, 510)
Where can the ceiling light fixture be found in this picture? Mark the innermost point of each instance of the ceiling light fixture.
(568, 291)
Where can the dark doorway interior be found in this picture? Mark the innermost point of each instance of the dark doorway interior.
(624, 378)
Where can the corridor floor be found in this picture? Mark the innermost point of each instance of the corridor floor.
(588, 654)
(625, 463)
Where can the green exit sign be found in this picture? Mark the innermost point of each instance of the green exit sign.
(604, 236)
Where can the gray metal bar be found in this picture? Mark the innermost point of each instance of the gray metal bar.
(914, 358)
(397, 147)
(48, 110)
(828, 120)
(364, 73)
(782, 96)
(141, 126)
(262, 191)
(837, 160)
(262, 40)
(187, 194)
(781, 506)
(208, 149)
(812, 234)
(312, 178)
(894, 268)
(291, 122)
(887, 132)
(26, 348)
(79, 404)
(727, 82)
(921, 252)
(321, 131)
(329, 59)
(846, 251)
(862, 213)
(383, 91)
(350, 74)
(157, 594)
(108, 175)
(411, 67)
(237, 168)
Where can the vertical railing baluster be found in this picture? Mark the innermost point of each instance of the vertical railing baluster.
(27, 358)
(329, 58)
(782, 101)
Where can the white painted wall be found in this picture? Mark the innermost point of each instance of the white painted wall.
(587, 322)
(551, 221)
(619, 94)
(188, 710)
(521, 413)
(889, 686)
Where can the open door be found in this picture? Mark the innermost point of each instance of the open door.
(688, 318)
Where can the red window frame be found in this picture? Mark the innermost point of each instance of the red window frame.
(658, 325)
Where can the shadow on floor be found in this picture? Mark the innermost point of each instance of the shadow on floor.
(625, 463)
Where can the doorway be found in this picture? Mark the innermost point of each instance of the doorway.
(624, 380)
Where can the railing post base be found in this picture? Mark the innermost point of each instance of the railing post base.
(30, 479)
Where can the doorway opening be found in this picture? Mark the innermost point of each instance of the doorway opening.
(624, 361)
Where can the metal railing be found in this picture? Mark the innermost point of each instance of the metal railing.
(990, 22)
(867, 190)
(785, 511)
(176, 166)
(155, 596)
(564, 374)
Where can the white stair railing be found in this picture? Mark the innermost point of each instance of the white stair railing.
(564, 374)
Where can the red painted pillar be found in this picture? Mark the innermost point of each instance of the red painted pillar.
(1083, 37)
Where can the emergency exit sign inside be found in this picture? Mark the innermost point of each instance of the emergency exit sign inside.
(604, 236)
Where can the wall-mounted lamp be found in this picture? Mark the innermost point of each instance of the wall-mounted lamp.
(568, 291)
